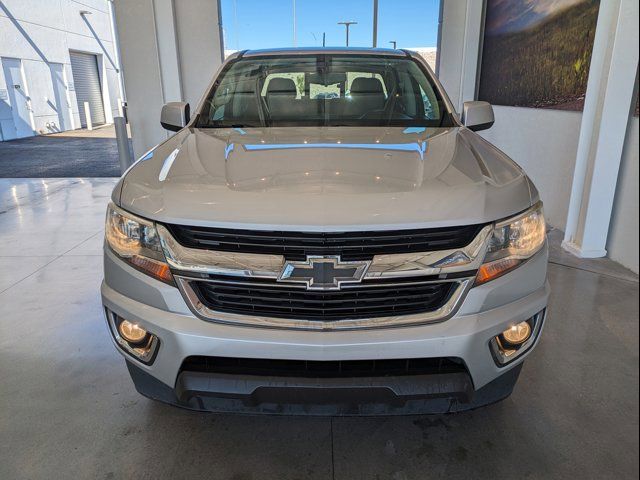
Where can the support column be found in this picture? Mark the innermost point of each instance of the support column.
(459, 48)
(612, 75)
(167, 43)
(169, 51)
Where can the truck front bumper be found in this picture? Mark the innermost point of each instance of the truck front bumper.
(486, 311)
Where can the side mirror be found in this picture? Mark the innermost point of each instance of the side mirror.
(175, 116)
(477, 115)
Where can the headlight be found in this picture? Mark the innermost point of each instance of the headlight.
(513, 241)
(136, 241)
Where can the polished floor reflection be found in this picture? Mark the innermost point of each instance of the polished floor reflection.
(69, 410)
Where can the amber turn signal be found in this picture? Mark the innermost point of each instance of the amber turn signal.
(489, 271)
(152, 267)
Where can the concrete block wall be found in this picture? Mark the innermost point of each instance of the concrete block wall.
(41, 32)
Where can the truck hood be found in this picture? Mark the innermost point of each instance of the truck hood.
(325, 179)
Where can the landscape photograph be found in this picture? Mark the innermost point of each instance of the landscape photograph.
(536, 53)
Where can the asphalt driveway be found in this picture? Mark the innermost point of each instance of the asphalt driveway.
(75, 153)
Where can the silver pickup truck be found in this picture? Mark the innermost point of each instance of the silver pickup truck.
(325, 235)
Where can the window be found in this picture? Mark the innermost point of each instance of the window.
(324, 90)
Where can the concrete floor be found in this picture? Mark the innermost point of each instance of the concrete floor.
(72, 153)
(69, 410)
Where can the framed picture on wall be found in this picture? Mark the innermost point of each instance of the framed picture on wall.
(536, 53)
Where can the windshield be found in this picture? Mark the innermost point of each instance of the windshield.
(324, 90)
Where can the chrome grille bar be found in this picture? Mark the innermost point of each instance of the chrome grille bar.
(443, 312)
(253, 265)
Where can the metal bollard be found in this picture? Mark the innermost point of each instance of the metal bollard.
(87, 116)
(122, 139)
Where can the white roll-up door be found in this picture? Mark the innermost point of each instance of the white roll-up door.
(86, 78)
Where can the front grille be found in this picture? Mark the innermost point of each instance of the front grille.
(323, 369)
(367, 300)
(349, 245)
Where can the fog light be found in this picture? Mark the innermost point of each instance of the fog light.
(516, 340)
(133, 339)
(132, 332)
(517, 334)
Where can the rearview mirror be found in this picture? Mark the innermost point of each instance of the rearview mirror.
(174, 116)
(477, 115)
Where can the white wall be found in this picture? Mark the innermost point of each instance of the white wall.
(170, 50)
(544, 144)
(43, 31)
(622, 243)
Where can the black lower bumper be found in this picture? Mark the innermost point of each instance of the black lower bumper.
(402, 395)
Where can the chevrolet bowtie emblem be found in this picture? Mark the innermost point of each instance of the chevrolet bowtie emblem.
(323, 272)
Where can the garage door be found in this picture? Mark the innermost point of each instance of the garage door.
(86, 78)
